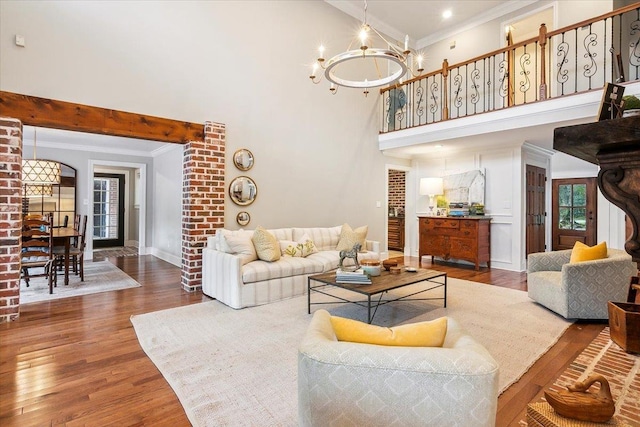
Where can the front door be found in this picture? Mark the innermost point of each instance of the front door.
(536, 215)
(108, 210)
(574, 212)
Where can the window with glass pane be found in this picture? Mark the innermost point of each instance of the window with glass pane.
(572, 212)
(105, 208)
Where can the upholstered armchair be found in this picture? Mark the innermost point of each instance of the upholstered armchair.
(345, 383)
(580, 290)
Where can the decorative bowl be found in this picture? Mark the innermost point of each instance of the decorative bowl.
(371, 267)
(388, 263)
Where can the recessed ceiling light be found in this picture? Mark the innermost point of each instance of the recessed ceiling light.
(447, 14)
(438, 146)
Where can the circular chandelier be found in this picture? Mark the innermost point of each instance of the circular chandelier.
(393, 60)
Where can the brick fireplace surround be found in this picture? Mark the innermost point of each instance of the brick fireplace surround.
(203, 198)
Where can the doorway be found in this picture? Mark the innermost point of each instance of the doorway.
(396, 207)
(536, 213)
(108, 210)
(574, 212)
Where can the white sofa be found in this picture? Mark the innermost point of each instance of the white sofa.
(352, 384)
(228, 279)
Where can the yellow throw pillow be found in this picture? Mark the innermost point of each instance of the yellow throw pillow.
(266, 244)
(582, 252)
(421, 334)
(349, 237)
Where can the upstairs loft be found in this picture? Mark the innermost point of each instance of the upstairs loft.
(555, 79)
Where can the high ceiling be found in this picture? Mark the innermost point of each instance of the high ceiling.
(422, 19)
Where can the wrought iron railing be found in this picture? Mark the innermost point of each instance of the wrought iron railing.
(573, 59)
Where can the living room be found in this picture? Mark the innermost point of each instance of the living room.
(209, 67)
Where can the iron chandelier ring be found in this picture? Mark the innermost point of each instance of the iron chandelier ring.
(350, 55)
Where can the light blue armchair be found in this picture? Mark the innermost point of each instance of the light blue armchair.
(580, 290)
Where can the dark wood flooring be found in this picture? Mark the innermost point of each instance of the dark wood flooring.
(77, 361)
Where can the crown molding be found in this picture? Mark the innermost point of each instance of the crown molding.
(489, 15)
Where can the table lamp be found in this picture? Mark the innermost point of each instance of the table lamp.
(431, 187)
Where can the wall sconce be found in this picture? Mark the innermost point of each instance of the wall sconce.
(431, 187)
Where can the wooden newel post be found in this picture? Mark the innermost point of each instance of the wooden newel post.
(542, 40)
(445, 90)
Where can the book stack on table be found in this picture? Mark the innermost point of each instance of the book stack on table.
(358, 277)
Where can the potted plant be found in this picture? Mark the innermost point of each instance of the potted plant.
(631, 106)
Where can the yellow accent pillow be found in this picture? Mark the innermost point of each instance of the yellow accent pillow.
(266, 244)
(582, 252)
(421, 334)
(349, 237)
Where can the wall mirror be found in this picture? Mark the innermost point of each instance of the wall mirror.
(243, 159)
(59, 199)
(243, 218)
(243, 190)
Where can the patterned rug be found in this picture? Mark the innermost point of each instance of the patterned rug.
(621, 369)
(98, 277)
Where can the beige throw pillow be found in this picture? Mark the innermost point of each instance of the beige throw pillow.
(349, 237)
(266, 244)
(241, 245)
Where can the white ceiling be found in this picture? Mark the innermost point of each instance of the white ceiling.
(422, 19)
(62, 139)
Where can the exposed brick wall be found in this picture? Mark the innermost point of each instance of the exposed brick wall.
(396, 195)
(10, 217)
(202, 199)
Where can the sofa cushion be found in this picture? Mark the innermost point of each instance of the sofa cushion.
(266, 244)
(421, 334)
(282, 233)
(325, 238)
(258, 271)
(221, 233)
(582, 252)
(349, 237)
(241, 245)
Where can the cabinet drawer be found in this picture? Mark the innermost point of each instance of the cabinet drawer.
(468, 224)
(444, 223)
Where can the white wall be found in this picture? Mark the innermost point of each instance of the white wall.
(504, 196)
(242, 64)
(166, 209)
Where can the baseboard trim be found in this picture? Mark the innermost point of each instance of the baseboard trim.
(170, 258)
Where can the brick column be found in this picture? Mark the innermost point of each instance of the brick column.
(202, 199)
(10, 217)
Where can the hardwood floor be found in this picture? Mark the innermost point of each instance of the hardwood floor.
(77, 361)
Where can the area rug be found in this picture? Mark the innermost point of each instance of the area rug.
(239, 367)
(621, 369)
(98, 277)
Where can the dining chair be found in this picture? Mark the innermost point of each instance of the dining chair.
(37, 250)
(76, 252)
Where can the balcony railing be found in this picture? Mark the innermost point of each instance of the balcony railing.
(578, 58)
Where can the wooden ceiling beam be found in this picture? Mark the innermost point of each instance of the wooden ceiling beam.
(49, 113)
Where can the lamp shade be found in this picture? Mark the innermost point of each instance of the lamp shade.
(431, 186)
(40, 172)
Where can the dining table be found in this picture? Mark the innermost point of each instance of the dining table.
(64, 236)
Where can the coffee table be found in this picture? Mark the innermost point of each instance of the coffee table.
(380, 285)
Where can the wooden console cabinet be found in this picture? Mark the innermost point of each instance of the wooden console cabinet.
(464, 238)
(396, 233)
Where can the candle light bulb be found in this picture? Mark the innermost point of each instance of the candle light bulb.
(321, 51)
(363, 37)
(406, 43)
